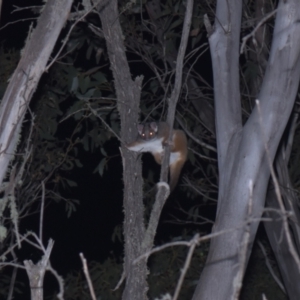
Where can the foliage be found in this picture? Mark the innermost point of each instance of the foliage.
(164, 272)
(74, 109)
(258, 279)
(5, 285)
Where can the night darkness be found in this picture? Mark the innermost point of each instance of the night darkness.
(90, 228)
(95, 228)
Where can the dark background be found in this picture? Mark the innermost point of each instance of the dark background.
(90, 229)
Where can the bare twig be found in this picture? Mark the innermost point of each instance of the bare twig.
(278, 281)
(33, 8)
(163, 193)
(94, 112)
(200, 239)
(42, 211)
(120, 281)
(87, 276)
(13, 278)
(262, 21)
(11, 248)
(194, 243)
(17, 21)
(195, 139)
(68, 36)
(60, 281)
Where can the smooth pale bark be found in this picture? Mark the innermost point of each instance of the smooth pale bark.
(241, 150)
(25, 79)
(289, 270)
(287, 264)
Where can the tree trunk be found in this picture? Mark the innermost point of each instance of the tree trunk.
(24, 81)
(36, 274)
(242, 156)
(128, 94)
(286, 261)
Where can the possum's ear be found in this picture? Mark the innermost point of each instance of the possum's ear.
(140, 128)
(154, 126)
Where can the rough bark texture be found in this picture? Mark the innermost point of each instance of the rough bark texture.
(36, 274)
(128, 94)
(24, 81)
(137, 241)
(241, 150)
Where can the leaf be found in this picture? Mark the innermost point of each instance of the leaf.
(74, 85)
(117, 234)
(85, 142)
(100, 167)
(78, 104)
(84, 84)
(3, 233)
(71, 183)
(166, 12)
(89, 93)
(71, 206)
(196, 40)
(99, 77)
(78, 163)
(175, 24)
(68, 165)
(46, 136)
(103, 151)
(47, 167)
(89, 51)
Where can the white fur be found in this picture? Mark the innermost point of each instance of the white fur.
(152, 146)
(174, 156)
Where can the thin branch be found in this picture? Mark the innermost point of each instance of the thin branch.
(181, 54)
(252, 33)
(200, 239)
(66, 39)
(278, 281)
(163, 192)
(123, 276)
(13, 278)
(32, 8)
(94, 112)
(194, 243)
(17, 21)
(60, 281)
(42, 211)
(3, 255)
(87, 276)
(196, 140)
